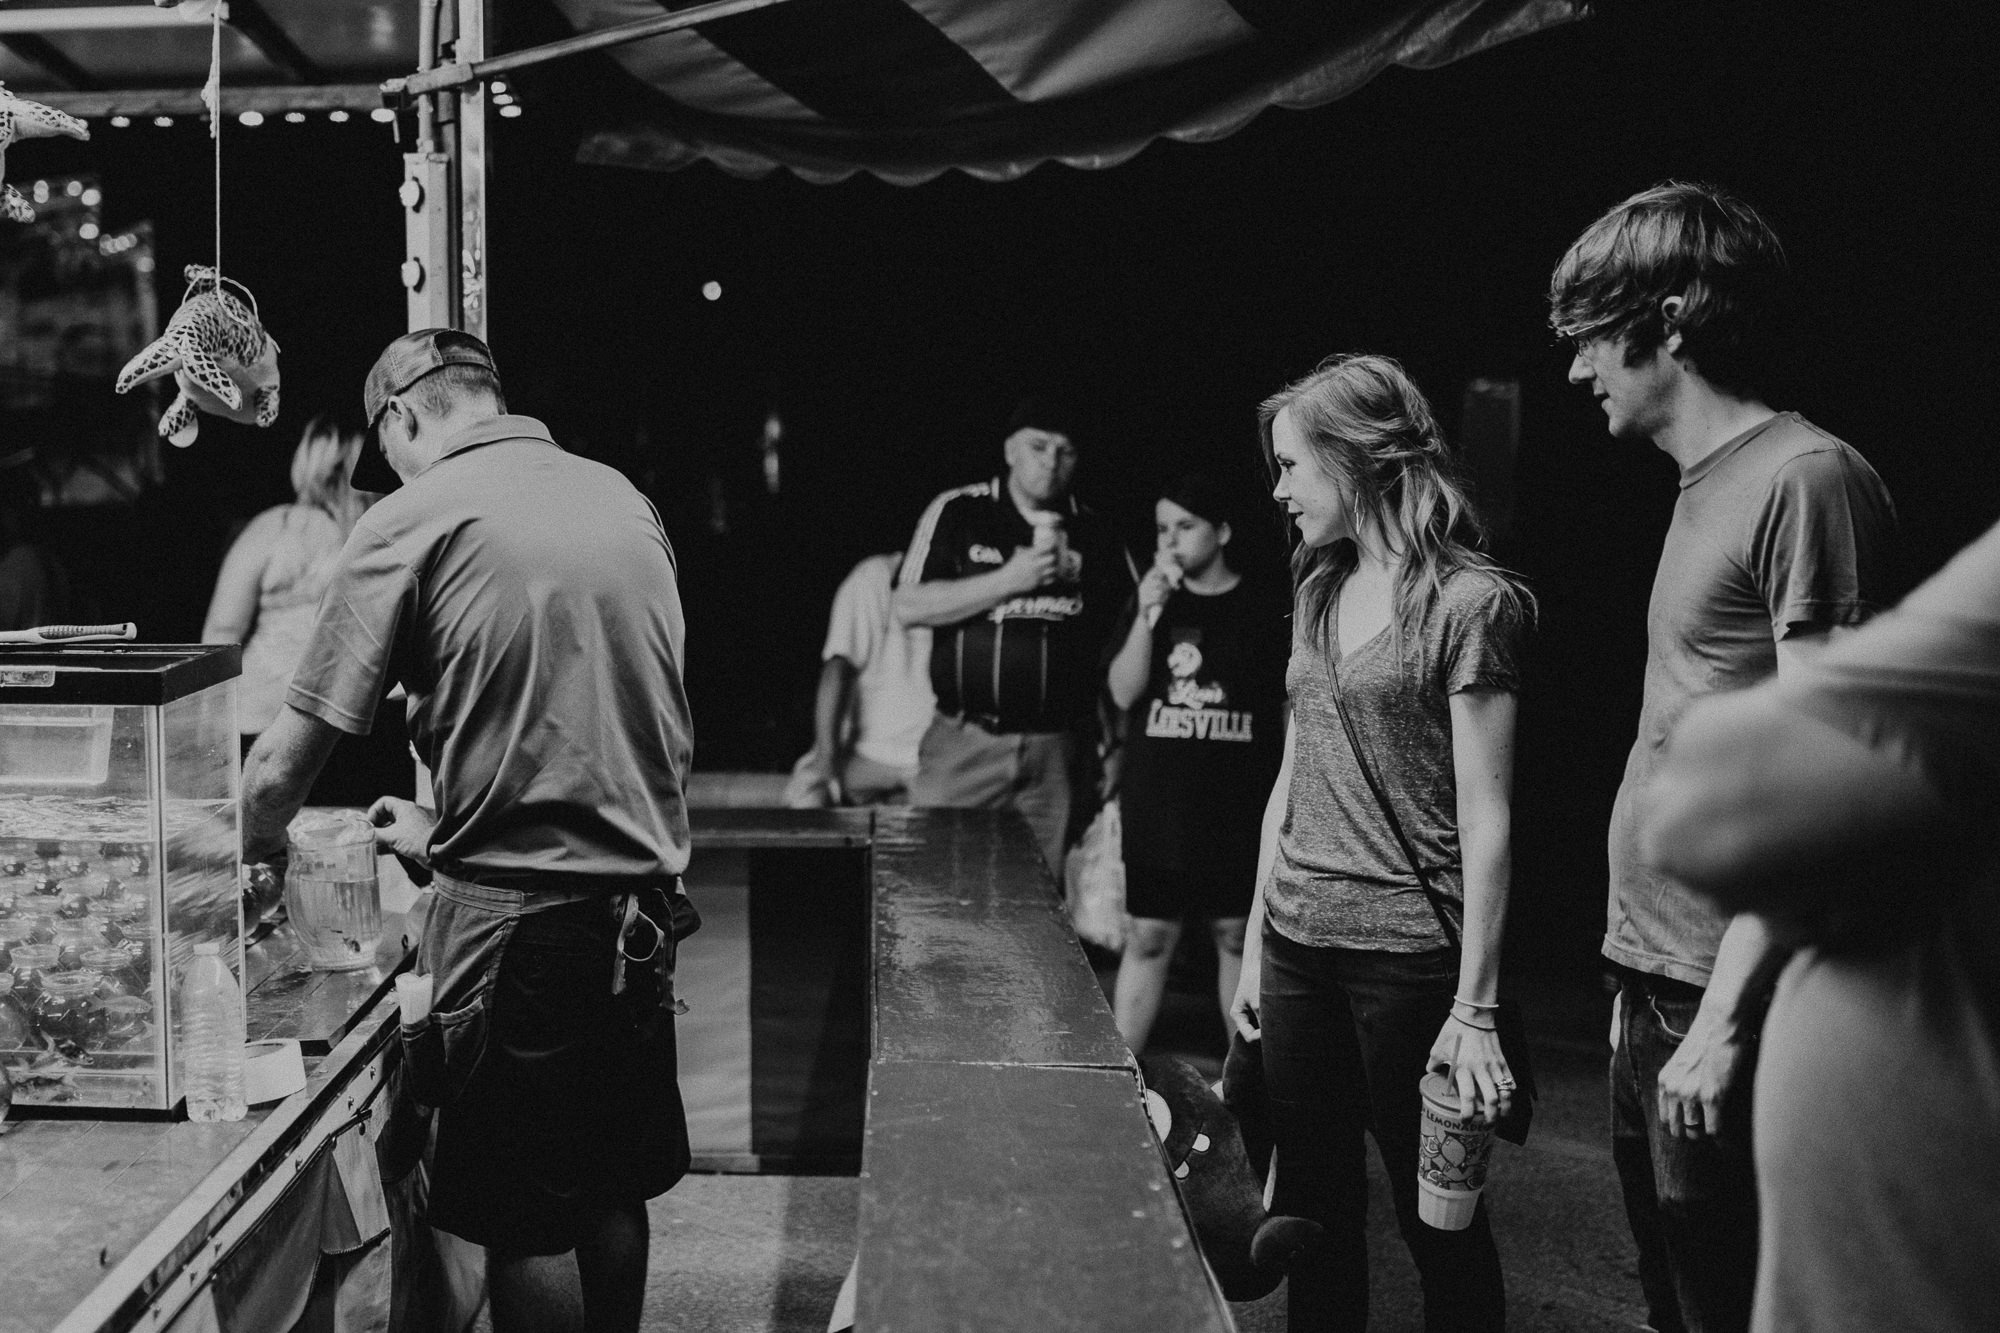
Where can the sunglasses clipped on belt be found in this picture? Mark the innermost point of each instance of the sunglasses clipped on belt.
(647, 948)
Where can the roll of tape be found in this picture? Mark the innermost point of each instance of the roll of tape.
(272, 1069)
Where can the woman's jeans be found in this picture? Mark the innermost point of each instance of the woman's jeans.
(1346, 1036)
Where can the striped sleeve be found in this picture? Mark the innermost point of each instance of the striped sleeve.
(928, 558)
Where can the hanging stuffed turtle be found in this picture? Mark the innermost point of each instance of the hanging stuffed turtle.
(220, 356)
(22, 119)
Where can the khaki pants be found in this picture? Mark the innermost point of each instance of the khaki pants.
(963, 766)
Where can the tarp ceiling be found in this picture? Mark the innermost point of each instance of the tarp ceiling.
(905, 89)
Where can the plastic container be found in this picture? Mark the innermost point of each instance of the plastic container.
(67, 1012)
(212, 1034)
(17, 1031)
(332, 896)
(1452, 1153)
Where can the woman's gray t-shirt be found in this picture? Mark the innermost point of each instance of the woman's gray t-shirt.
(1341, 879)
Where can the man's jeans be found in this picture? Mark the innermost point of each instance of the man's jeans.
(1692, 1203)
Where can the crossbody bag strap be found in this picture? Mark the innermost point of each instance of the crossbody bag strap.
(1382, 797)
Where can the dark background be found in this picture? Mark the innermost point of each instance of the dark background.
(891, 327)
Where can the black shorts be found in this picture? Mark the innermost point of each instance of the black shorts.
(1207, 891)
(556, 1096)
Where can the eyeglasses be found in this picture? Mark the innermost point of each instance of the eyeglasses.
(1578, 342)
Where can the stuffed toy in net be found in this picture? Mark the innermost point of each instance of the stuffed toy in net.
(22, 119)
(1247, 1248)
(220, 356)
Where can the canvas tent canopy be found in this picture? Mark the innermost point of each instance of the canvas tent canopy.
(904, 89)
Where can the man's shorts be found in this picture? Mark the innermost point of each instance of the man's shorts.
(556, 1097)
(1207, 891)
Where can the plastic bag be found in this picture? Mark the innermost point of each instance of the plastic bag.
(1094, 880)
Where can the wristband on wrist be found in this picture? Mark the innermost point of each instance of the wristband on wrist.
(1473, 1004)
(1477, 1027)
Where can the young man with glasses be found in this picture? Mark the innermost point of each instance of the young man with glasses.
(1781, 534)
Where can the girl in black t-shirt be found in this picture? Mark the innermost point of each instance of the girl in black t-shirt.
(1201, 668)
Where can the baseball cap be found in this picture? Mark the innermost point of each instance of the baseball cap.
(402, 363)
(1044, 412)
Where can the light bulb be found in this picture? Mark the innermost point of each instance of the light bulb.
(251, 118)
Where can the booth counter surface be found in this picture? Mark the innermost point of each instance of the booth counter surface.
(1008, 1175)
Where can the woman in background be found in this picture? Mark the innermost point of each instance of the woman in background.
(1357, 978)
(267, 595)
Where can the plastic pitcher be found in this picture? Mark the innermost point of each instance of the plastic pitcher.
(331, 893)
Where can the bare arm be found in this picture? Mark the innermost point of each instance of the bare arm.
(1134, 661)
(1244, 1009)
(1482, 753)
(1698, 1086)
(277, 776)
(232, 609)
(948, 601)
(1765, 809)
(836, 688)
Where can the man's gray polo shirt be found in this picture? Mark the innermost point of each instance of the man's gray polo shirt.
(526, 600)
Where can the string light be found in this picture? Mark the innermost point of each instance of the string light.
(73, 189)
(87, 231)
(251, 118)
(120, 122)
(92, 197)
(41, 192)
(337, 116)
(163, 121)
(510, 111)
(381, 115)
(295, 117)
(711, 291)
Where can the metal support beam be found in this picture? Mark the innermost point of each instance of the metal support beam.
(249, 18)
(93, 18)
(356, 97)
(430, 273)
(463, 71)
(468, 154)
(45, 54)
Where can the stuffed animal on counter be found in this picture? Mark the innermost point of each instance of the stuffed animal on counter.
(1247, 1248)
(22, 119)
(220, 356)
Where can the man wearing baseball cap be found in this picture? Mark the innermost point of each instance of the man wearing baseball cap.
(525, 598)
(1020, 584)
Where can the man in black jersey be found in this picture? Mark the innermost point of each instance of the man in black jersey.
(1020, 585)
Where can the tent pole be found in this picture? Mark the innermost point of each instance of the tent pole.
(464, 68)
(430, 277)
(470, 163)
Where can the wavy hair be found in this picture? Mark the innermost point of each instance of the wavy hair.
(1681, 239)
(321, 466)
(1368, 426)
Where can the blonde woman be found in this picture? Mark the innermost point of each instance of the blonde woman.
(1357, 975)
(271, 580)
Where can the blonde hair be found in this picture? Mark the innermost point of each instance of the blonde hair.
(320, 468)
(1368, 426)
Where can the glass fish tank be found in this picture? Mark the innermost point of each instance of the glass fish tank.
(120, 850)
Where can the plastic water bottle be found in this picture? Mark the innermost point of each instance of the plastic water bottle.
(212, 1019)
